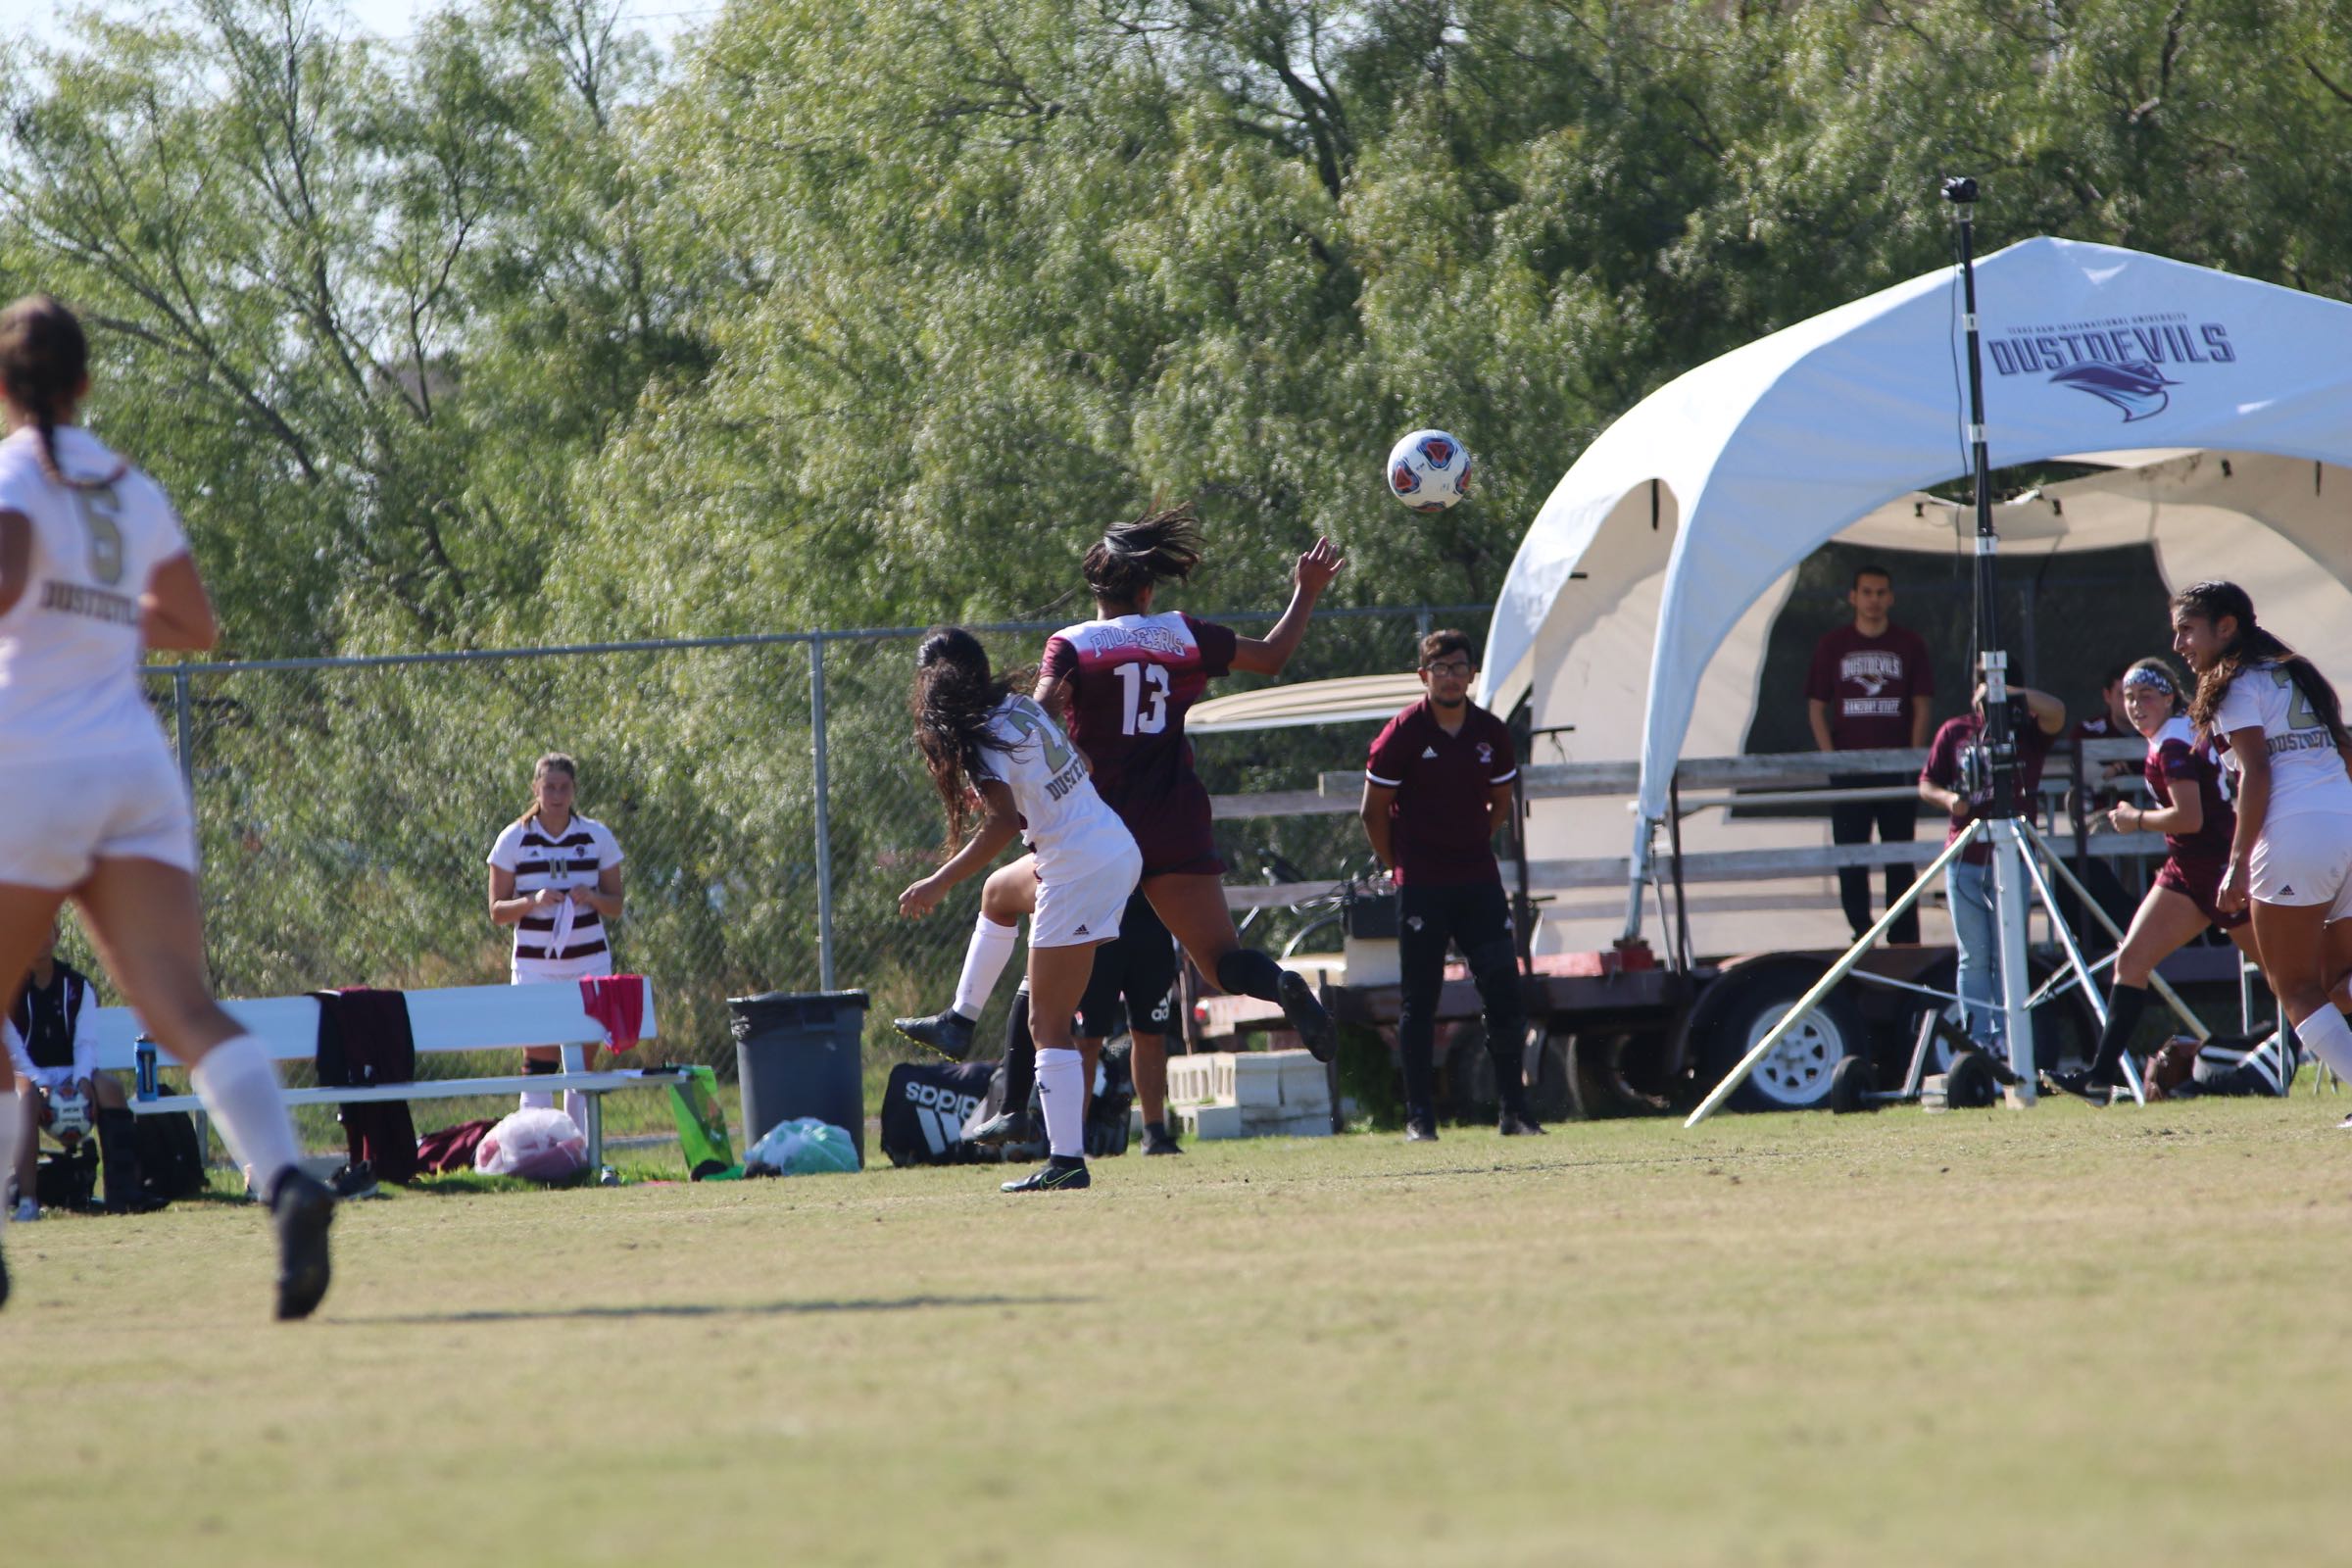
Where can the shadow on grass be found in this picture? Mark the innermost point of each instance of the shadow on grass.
(690, 1309)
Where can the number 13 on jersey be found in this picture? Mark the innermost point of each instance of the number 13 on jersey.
(1146, 690)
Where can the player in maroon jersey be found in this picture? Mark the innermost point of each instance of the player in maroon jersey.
(2198, 823)
(1125, 679)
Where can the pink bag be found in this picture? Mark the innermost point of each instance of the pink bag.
(538, 1144)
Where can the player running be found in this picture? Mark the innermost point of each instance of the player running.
(2197, 822)
(2291, 855)
(93, 569)
(978, 735)
(1126, 680)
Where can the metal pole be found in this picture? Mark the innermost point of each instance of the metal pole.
(1838, 971)
(181, 706)
(824, 825)
(2010, 904)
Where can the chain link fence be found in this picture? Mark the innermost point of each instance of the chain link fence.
(764, 791)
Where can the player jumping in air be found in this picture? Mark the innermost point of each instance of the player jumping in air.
(93, 571)
(977, 734)
(1126, 679)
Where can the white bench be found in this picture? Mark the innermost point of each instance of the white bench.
(456, 1018)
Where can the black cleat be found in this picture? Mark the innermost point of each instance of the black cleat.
(1053, 1177)
(1157, 1140)
(302, 1208)
(3, 1282)
(1005, 1127)
(1518, 1124)
(1315, 1029)
(1421, 1128)
(2083, 1085)
(949, 1033)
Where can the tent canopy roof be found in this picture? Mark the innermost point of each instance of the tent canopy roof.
(1759, 457)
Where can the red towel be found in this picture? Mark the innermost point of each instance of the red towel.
(618, 1002)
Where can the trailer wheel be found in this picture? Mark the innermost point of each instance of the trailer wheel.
(1851, 1083)
(1971, 1084)
(1735, 1014)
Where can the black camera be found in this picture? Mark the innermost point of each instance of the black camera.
(1959, 189)
(1978, 758)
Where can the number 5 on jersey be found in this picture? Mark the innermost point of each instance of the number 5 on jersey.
(1147, 689)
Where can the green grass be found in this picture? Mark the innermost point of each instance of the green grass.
(2064, 1337)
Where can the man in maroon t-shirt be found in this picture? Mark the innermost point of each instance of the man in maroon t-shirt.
(1871, 685)
(1436, 788)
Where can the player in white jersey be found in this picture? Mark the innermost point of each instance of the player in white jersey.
(93, 570)
(555, 877)
(979, 735)
(2291, 855)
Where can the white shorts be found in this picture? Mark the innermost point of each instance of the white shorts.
(2305, 860)
(547, 971)
(1081, 903)
(63, 817)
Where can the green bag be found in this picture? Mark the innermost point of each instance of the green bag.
(703, 1127)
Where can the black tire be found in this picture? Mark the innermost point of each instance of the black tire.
(1971, 1084)
(1851, 1084)
(1597, 1074)
(1742, 1006)
(1468, 1095)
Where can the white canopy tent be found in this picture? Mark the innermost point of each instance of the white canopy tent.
(1670, 546)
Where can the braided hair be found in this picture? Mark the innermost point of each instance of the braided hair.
(955, 697)
(44, 364)
(1130, 557)
(2211, 601)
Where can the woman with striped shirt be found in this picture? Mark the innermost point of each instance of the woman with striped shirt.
(555, 877)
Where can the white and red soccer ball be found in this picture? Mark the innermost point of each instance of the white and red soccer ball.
(1429, 471)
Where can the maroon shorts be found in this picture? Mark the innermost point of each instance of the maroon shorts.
(1173, 831)
(2199, 882)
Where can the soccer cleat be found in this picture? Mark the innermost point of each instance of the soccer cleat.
(2083, 1085)
(3, 1282)
(302, 1208)
(1421, 1128)
(2344, 1126)
(1518, 1124)
(949, 1033)
(1157, 1140)
(1005, 1127)
(1317, 1032)
(1053, 1177)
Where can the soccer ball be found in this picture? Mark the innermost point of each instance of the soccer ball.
(1429, 471)
(69, 1118)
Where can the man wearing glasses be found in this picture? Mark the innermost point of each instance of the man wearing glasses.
(1437, 787)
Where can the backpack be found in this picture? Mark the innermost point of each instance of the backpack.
(925, 1107)
(171, 1159)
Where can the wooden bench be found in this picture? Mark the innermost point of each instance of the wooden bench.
(455, 1018)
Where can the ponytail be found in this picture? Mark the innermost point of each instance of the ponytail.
(44, 364)
(1130, 557)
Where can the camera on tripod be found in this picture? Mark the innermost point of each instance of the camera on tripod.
(1982, 765)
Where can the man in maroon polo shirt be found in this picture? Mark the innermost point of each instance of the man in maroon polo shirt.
(1437, 787)
(1870, 686)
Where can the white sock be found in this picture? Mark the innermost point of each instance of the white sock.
(2327, 1036)
(238, 1085)
(983, 959)
(1061, 1085)
(12, 1121)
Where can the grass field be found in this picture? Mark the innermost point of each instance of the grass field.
(2064, 1337)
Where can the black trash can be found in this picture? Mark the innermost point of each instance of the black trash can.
(798, 1054)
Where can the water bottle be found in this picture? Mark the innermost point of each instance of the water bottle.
(143, 1055)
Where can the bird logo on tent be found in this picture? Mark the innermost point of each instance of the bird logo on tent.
(2136, 387)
